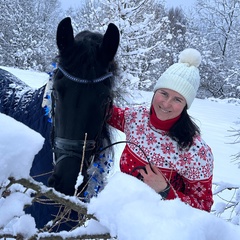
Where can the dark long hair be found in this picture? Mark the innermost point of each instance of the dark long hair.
(184, 130)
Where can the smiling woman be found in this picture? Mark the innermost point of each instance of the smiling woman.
(164, 148)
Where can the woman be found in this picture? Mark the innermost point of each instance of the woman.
(164, 146)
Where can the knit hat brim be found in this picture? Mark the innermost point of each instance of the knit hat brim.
(178, 85)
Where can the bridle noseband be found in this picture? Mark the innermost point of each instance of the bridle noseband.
(69, 147)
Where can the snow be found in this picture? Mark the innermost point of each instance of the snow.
(78, 182)
(18, 146)
(29, 78)
(132, 210)
(126, 208)
(14, 220)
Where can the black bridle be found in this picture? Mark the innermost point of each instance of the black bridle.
(74, 148)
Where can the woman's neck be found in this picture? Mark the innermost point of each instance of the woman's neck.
(162, 125)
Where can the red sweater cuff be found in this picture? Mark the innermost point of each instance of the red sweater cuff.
(171, 194)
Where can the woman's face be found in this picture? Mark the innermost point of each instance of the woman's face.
(168, 104)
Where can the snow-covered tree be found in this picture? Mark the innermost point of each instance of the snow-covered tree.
(217, 22)
(28, 32)
(229, 206)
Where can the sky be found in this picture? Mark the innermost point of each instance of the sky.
(182, 3)
(132, 210)
(169, 3)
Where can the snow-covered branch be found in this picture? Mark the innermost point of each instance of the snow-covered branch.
(30, 187)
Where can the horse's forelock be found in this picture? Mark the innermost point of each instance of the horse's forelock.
(82, 59)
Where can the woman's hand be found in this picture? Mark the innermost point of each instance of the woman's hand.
(153, 178)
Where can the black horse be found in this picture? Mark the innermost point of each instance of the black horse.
(81, 103)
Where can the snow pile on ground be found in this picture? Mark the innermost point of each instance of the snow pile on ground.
(18, 146)
(133, 211)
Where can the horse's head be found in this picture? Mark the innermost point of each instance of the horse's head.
(82, 100)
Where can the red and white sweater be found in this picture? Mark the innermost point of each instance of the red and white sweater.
(189, 171)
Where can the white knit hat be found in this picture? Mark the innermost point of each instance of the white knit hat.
(183, 77)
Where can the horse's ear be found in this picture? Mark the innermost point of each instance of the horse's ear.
(110, 42)
(65, 38)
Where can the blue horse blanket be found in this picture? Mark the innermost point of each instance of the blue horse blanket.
(23, 103)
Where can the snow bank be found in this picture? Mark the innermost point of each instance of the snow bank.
(133, 211)
(18, 146)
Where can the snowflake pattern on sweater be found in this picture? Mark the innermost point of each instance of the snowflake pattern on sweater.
(189, 171)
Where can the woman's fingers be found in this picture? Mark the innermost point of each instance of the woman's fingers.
(153, 177)
(143, 172)
(155, 169)
(149, 169)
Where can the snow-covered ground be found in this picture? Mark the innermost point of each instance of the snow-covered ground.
(127, 207)
(31, 78)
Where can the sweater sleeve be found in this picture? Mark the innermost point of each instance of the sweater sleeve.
(197, 194)
(197, 178)
(117, 119)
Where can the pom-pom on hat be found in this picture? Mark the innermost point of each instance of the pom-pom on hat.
(183, 77)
